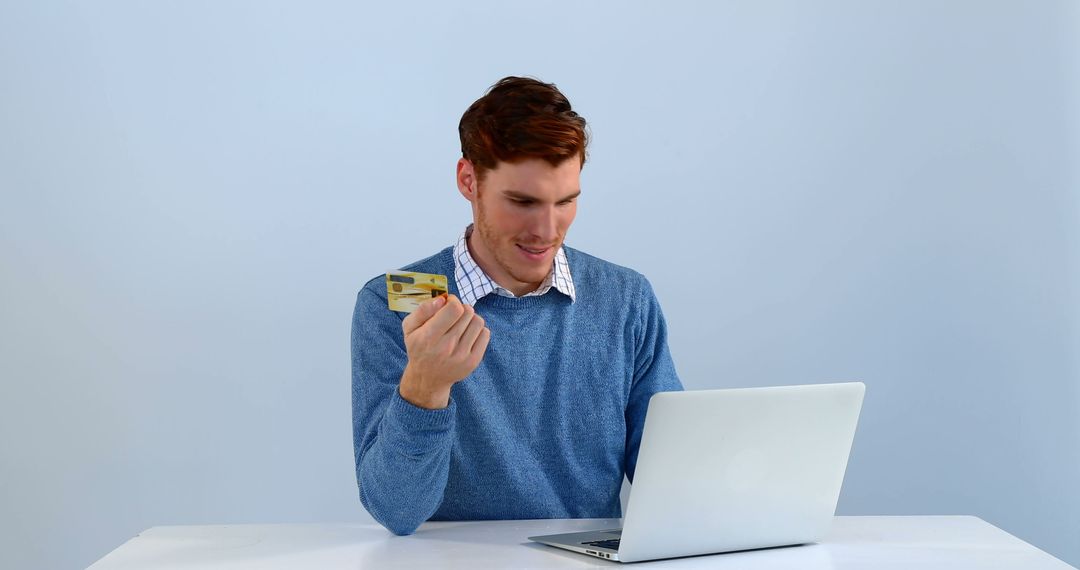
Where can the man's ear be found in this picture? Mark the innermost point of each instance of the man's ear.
(466, 179)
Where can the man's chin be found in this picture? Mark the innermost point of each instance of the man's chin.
(529, 275)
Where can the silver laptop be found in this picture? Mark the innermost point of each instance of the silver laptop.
(726, 470)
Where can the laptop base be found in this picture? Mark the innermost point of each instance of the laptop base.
(577, 542)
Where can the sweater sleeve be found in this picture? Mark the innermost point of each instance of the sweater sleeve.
(402, 452)
(654, 370)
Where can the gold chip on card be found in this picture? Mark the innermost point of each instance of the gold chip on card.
(407, 290)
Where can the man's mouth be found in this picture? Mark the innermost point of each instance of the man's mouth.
(534, 252)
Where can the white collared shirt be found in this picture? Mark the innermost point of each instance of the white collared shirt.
(473, 284)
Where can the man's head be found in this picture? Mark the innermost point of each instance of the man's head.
(522, 149)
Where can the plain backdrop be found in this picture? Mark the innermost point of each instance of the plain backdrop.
(193, 193)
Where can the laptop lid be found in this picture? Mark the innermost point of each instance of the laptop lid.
(737, 469)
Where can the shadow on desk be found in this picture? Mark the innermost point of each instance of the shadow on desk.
(802, 557)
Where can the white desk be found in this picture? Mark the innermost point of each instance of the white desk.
(923, 543)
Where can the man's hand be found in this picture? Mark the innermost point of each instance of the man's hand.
(445, 340)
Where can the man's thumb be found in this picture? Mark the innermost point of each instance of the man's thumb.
(424, 312)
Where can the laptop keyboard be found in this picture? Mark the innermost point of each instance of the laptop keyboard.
(611, 543)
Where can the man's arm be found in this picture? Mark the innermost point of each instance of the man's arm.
(403, 418)
(654, 370)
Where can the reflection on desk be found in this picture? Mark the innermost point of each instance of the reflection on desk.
(924, 543)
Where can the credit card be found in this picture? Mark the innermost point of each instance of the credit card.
(407, 290)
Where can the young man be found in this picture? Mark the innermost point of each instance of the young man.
(522, 395)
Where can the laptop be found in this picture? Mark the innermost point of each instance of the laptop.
(729, 470)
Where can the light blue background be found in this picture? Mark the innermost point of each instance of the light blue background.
(193, 192)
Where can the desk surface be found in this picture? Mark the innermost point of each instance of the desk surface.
(927, 543)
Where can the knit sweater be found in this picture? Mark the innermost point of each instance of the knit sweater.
(545, 427)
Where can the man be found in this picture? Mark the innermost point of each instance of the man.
(522, 394)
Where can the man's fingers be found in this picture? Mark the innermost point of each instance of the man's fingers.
(445, 317)
(459, 327)
(468, 338)
(421, 315)
(481, 344)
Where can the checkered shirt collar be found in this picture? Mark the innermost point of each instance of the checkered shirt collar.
(473, 284)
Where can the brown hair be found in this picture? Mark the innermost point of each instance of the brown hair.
(520, 118)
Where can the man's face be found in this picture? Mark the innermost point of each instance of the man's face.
(521, 213)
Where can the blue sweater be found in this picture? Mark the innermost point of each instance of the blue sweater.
(545, 427)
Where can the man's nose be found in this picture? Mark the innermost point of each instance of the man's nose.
(545, 224)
